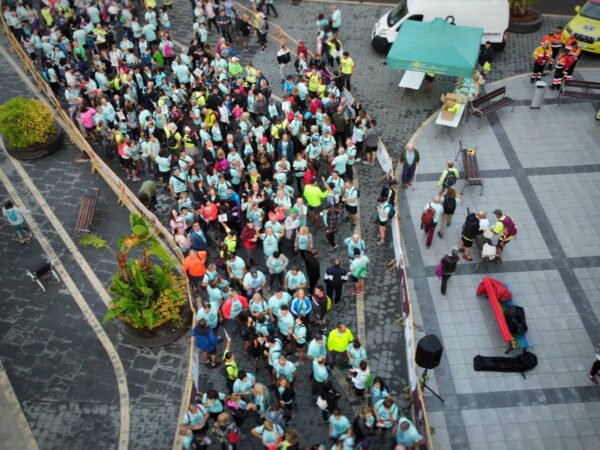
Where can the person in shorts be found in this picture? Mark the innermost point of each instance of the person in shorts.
(372, 136)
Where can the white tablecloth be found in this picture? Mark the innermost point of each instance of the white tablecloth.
(412, 80)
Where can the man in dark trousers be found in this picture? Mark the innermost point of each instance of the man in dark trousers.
(335, 277)
(313, 268)
(448, 263)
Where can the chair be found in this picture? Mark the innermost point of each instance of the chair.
(41, 269)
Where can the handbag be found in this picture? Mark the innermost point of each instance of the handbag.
(322, 403)
(233, 437)
(438, 270)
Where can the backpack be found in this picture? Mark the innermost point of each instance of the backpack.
(515, 319)
(168, 51)
(450, 179)
(471, 226)
(391, 211)
(428, 216)
(270, 328)
(509, 226)
(172, 141)
(12, 215)
(449, 205)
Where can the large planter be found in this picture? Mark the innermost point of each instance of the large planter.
(527, 24)
(160, 337)
(39, 150)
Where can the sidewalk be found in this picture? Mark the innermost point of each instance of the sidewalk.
(542, 167)
(14, 430)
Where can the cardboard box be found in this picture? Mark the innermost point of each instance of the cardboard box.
(447, 115)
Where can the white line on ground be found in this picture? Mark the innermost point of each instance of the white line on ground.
(85, 309)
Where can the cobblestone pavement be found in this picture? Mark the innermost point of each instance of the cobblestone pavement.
(155, 378)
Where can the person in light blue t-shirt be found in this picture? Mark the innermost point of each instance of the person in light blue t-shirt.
(338, 424)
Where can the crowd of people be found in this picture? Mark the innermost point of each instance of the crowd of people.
(246, 172)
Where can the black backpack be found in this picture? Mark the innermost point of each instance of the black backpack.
(515, 319)
(450, 179)
(449, 205)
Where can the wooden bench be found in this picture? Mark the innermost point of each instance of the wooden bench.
(517, 341)
(567, 89)
(470, 167)
(485, 104)
(86, 213)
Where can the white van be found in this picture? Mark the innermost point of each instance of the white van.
(491, 15)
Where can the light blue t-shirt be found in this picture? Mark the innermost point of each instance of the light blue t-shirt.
(295, 281)
(237, 267)
(316, 349)
(270, 244)
(211, 317)
(270, 437)
(339, 425)
(276, 303)
(320, 372)
(287, 370)
(285, 323)
(214, 406)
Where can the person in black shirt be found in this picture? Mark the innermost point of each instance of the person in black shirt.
(448, 264)
(335, 277)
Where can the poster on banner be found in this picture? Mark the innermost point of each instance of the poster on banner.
(410, 354)
(383, 158)
(196, 369)
(348, 96)
(397, 239)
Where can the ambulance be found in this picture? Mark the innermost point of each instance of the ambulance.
(586, 27)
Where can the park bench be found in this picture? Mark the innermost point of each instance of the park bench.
(470, 167)
(579, 89)
(486, 104)
(86, 212)
(516, 341)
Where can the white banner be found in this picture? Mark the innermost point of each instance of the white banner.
(410, 359)
(383, 157)
(397, 242)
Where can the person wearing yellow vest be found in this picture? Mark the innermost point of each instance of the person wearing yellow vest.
(173, 137)
(314, 197)
(337, 342)
(313, 81)
(346, 69)
(251, 74)
(230, 365)
(541, 55)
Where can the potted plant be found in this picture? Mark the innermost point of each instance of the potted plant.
(523, 18)
(149, 298)
(28, 128)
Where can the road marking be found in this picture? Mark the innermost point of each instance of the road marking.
(12, 402)
(85, 309)
(60, 230)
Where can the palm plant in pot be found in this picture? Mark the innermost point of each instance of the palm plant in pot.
(28, 128)
(149, 298)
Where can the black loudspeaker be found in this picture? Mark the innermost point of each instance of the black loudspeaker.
(429, 352)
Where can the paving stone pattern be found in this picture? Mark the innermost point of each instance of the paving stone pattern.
(57, 367)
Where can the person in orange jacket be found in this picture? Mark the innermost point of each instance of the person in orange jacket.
(563, 64)
(556, 44)
(194, 266)
(541, 55)
(575, 52)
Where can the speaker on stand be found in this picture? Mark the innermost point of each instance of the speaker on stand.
(428, 356)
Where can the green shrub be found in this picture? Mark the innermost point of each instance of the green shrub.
(26, 121)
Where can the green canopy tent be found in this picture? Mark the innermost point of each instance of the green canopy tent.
(438, 47)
